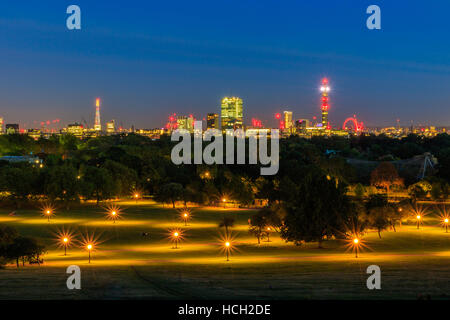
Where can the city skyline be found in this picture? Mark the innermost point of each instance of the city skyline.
(141, 62)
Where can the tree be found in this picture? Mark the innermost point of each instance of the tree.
(319, 208)
(7, 236)
(24, 248)
(97, 183)
(62, 183)
(124, 178)
(226, 222)
(170, 192)
(359, 192)
(258, 224)
(379, 219)
(20, 182)
(385, 176)
(436, 191)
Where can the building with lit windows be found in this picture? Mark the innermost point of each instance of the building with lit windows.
(98, 124)
(12, 128)
(1, 125)
(76, 129)
(325, 88)
(185, 123)
(111, 127)
(232, 113)
(212, 121)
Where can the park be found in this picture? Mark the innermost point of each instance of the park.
(135, 256)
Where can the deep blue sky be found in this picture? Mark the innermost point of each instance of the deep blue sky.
(146, 59)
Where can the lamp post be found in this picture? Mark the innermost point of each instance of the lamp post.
(356, 246)
(89, 248)
(48, 213)
(227, 249)
(65, 241)
(418, 217)
(446, 224)
(176, 236)
(268, 234)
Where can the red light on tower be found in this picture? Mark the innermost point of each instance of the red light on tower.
(325, 89)
(278, 116)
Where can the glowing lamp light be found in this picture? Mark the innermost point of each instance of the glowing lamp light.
(65, 240)
(176, 236)
(446, 224)
(227, 248)
(355, 243)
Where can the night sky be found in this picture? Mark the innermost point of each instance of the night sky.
(146, 59)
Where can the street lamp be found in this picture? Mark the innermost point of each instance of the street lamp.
(418, 217)
(65, 241)
(89, 247)
(446, 224)
(48, 212)
(356, 245)
(268, 234)
(227, 249)
(176, 236)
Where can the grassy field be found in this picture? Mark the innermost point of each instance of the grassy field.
(126, 265)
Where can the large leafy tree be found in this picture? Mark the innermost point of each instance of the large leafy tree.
(318, 209)
(97, 183)
(62, 183)
(170, 192)
(385, 176)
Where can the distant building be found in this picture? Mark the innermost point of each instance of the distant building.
(302, 124)
(288, 124)
(185, 123)
(12, 128)
(98, 124)
(232, 113)
(34, 133)
(111, 127)
(212, 121)
(1, 125)
(325, 88)
(29, 159)
(76, 129)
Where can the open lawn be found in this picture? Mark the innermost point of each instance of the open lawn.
(127, 265)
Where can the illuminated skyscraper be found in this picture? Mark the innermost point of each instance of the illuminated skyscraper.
(12, 128)
(185, 123)
(212, 121)
(1, 125)
(232, 113)
(288, 120)
(98, 124)
(111, 127)
(325, 106)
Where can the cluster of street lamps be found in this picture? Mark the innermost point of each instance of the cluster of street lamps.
(66, 239)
